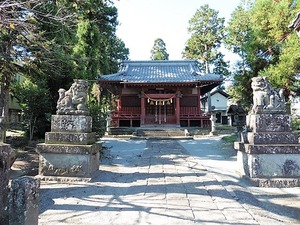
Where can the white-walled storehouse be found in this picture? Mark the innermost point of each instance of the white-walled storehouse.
(216, 101)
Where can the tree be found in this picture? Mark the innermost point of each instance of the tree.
(241, 87)
(21, 42)
(57, 41)
(96, 39)
(281, 44)
(238, 37)
(207, 32)
(220, 66)
(97, 49)
(159, 50)
(35, 103)
(258, 31)
(239, 32)
(53, 63)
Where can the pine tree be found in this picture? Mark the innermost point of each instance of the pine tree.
(159, 50)
(97, 48)
(207, 32)
(23, 45)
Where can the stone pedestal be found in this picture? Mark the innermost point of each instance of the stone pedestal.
(70, 149)
(5, 157)
(213, 120)
(269, 152)
(24, 201)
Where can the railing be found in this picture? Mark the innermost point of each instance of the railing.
(128, 112)
(189, 112)
(189, 116)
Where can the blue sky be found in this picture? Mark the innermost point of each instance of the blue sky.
(142, 21)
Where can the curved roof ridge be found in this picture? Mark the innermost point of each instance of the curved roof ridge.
(161, 71)
(158, 62)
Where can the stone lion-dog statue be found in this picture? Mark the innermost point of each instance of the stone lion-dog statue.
(266, 99)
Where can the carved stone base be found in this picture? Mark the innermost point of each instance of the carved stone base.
(68, 160)
(67, 138)
(269, 165)
(66, 180)
(269, 123)
(269, 152)
(70, 149)
(270, 170)
(275, 182)
(71, 123)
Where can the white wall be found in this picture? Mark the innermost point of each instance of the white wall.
(219, 101)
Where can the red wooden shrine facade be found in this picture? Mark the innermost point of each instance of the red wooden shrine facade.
(158, 93)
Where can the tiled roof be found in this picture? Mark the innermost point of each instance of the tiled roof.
(157, 71)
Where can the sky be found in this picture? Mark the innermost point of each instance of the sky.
(143, 21)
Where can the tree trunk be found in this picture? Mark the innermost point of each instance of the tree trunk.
(206, 60)
(32, 127)
(207, 67)
(4, 98)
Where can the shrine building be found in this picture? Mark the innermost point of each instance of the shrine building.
(159, 93)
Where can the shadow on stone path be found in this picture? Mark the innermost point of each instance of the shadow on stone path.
(164, 182)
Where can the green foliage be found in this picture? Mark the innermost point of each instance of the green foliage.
(230, 138)
(228, 141)
(52, 62)
(97, 50)
(35, 104)
(159, 50)
(53, 42)
(220, 66)
(36, 43)
(98, 117)
(207, 32)
(296, 124)
(241, 90)
(258, 31)
(238, 31)
(282, 73)
(96, 112)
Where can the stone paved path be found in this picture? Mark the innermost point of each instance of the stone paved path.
(153, 182)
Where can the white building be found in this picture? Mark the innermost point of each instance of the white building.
(216, 101)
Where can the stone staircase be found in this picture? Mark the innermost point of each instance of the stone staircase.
(167, 132)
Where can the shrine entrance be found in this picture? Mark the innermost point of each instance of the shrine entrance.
(160, 109)
(159, 93)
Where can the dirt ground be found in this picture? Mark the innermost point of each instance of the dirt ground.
(26, 164)
(26, 160)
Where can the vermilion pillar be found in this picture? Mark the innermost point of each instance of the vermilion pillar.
(177, 109)
(143, 110)
(199, 103)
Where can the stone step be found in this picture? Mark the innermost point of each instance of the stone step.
(162, 133)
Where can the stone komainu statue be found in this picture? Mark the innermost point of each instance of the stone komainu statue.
(266, 99)
(73, 101)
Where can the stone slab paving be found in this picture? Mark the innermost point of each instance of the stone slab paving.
(164, 182)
